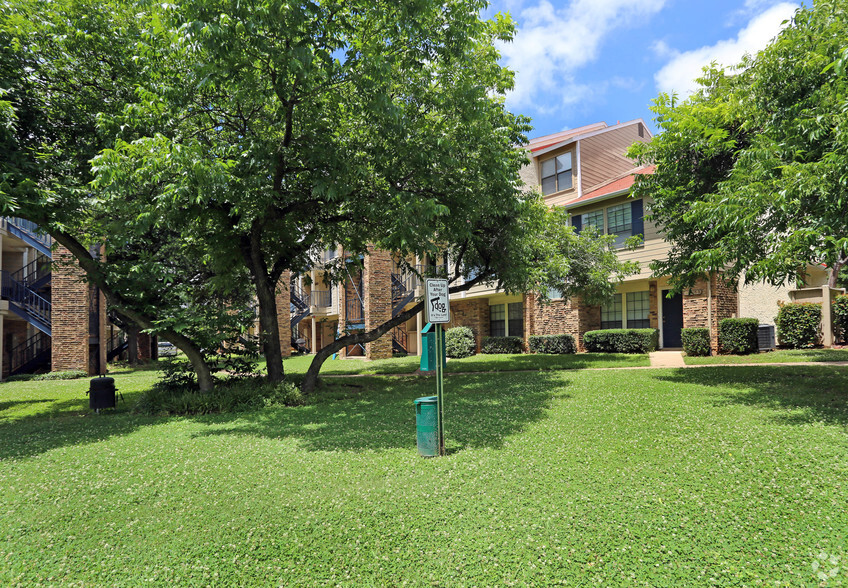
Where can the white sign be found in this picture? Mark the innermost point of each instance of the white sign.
(437, 303)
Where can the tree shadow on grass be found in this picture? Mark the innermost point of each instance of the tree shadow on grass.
(63, 423)
(799, 395)
(377, 414)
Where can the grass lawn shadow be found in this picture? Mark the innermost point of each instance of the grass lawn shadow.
(801, 394)
(378, 414)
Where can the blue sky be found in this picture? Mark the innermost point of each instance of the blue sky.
(584, 61)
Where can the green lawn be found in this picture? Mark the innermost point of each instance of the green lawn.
(728, 476)
(476, 363)
(778, 356)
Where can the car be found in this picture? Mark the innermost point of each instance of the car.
(167, 349)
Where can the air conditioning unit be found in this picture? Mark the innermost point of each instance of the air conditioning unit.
(765, 337)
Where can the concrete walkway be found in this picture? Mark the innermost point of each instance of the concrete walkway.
(667, 359)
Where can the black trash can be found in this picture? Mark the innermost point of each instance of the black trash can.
(101, 393)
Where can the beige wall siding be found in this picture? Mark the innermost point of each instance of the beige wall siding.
(529, 175)
(760, 300)
(603, 158)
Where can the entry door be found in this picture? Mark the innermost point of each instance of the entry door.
(672, 320)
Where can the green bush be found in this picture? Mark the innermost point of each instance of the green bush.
(235, 395)
(798, 324)
(738, 335)
(696, 341)
(492, 345)
(554, 344)
(67, 375)
(840, 317)
(622, 340)
(459, 342)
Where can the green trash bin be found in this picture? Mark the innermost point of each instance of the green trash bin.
(427, 426)
(428, 348)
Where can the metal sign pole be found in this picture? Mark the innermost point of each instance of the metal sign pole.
(440, 387)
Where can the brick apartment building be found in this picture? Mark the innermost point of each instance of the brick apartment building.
(586, 171)
(51, 319)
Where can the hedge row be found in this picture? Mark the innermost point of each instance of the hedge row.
(622, 340)
(738, 335)
(554, 344)
(696, 341)
(798, 324)
(840, 317)
(492, 345)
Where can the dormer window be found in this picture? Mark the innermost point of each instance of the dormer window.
(556, 174)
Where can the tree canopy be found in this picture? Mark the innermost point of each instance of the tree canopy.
(752, 170)
(214, 145)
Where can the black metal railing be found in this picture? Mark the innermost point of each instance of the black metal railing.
(115, 341)
(34, 271)
(354, 311)
(400, 340)
(298, 297)
(28, 351)
(26, 298)
(322, 298)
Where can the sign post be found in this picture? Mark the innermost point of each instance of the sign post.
(437, 312)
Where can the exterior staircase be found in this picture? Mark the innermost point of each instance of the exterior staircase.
(403, 291)
(27, 291)
(299, 308)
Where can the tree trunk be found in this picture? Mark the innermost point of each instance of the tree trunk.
(310, 380)
(266, 293)
(833, 279)
(92, 271)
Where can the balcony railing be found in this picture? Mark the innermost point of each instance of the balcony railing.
(30, 228)
(328, 255)
(322, 298)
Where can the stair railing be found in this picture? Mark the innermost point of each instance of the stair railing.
(20, 294)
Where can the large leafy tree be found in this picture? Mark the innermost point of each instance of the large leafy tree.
(752, 170)
(279, 129)
(65, 66)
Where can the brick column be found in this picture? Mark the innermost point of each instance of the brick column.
(654, 304)
(284, 312)
(588, 319)
(723, 304)
(377, 297)
(70, 301)
(144, 347)
(529, 319)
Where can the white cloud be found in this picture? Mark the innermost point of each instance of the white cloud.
(679, 73)
(552, 44)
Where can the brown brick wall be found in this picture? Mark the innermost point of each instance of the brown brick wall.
(725, 302)
(283, 300)
(70, 298)
(696, 306)
(571, 317)
(589, 320)
(377, 286)
(474, 314)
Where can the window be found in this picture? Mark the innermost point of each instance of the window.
(497, 320)
(619, 222)
(611, 315)
(555, 294)
(594, 219)
(516, 319)
(638, 310)
(556, 174)
(506, 319)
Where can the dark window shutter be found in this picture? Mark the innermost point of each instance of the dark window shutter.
(636, 214)
(577, 222)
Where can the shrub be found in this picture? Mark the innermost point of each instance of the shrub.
(459, 342)
(840, 317)
(622, 340)
(502, 345)
(67, 375)
(798, 324)
(738, 335)
(696, 341)
(555, 344)
(235, 395)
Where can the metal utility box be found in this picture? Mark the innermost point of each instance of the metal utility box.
(428, 348)
(765, 337)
